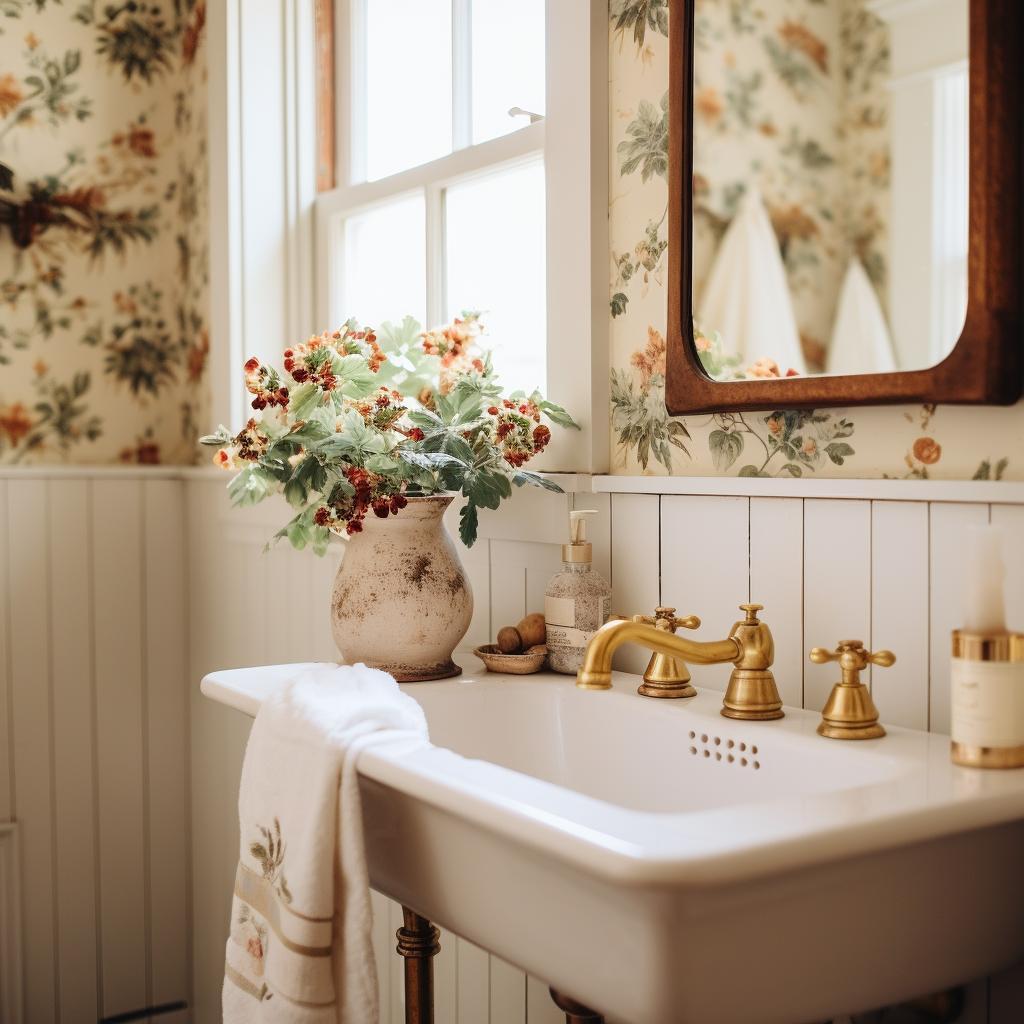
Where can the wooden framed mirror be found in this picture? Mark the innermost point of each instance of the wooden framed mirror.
(845, 203)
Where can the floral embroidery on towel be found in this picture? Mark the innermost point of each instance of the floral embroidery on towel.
(270, 854)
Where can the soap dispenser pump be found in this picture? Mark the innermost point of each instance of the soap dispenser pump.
(577, 599)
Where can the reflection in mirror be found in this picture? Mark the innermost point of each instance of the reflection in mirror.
(829, 185)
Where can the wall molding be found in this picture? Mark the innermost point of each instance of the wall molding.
(980, 491)
(10, 926)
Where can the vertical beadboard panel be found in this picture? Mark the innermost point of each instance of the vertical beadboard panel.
(837, 586)
(508, 583)
(600, 527)
(29, 639)
(121, 748)
(705, 569)
(383, 949)
(635, 565)
(167, 737)
(70, 582)
(446, 981)
(540, 1007)
(6, 739)
(899, 610)
(508, 993)
(542, 562)
(777, 582)
(948, 552)
(474, 983)
(1010, 518)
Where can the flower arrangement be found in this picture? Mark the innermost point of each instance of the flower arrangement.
(360, 420)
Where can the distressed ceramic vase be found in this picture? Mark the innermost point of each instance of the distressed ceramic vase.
(401, 600)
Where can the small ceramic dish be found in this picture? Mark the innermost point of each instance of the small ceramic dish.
(514, 664)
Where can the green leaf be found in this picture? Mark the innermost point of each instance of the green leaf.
(523, 476)
(250, 486)
(321, 540)
(726, 447)
(839, 452)
(792, 469)
(486, 489)
(468, 524)
(751, 471)
(558, 415)
(219, 439)
(303, 400)
(429, 460)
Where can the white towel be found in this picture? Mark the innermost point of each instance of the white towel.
(300, 949)
(860, 338)
(746, 297)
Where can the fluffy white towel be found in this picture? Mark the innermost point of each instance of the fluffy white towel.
(860, 338)
(300, 950)
(746, 297)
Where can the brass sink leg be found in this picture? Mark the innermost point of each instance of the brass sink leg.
(418, 942)
(575, 1013)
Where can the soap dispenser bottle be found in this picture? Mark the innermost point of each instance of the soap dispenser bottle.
(577, 600)
(987, 672)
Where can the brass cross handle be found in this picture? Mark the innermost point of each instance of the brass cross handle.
(665, 618)
(852, 658)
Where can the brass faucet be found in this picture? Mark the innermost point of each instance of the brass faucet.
(850, 713)
(751, 694)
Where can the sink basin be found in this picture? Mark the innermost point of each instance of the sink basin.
(661, 863)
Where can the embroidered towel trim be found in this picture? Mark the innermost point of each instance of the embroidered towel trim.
(300, 947)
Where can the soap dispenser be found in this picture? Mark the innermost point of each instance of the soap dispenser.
(577, 599)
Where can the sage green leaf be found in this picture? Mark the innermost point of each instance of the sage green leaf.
(839, 452)
(523, 476)
(726, 447)
(468, 524)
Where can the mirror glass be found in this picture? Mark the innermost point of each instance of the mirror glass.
(830, 157)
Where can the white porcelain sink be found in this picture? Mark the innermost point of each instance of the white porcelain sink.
(661, 863)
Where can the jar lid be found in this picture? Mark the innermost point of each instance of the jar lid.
(1002, 646)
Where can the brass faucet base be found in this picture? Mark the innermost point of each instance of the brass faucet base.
(752, 696)
(837, 731)
(669, 690)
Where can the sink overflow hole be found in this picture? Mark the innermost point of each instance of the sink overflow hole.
(717, 741)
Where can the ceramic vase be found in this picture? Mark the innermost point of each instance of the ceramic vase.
(401, 600)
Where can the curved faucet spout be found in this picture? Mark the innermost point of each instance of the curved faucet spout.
(596, 671)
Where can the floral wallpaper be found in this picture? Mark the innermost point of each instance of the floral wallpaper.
(948, 442)
(103, 247)
(793, 99)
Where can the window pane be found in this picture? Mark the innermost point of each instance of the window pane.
(494, 253)
(384, 266)
(508, 64)
(408, 63)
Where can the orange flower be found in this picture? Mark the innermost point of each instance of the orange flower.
(801, 38)
(15, 422)
(651, 360)
(141, 141)
(764, 368)
(196, 362)
(32, 40)
(41, 369)
(927, 450)
(10, 94)
(708, 103)
(193, 34)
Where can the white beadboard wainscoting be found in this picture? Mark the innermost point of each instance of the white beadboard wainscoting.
(120, 588)
(94, 732)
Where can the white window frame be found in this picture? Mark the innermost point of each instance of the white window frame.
(572, 138)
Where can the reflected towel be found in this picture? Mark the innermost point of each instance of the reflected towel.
(860, 338)
(746, 298)
(300, 949)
